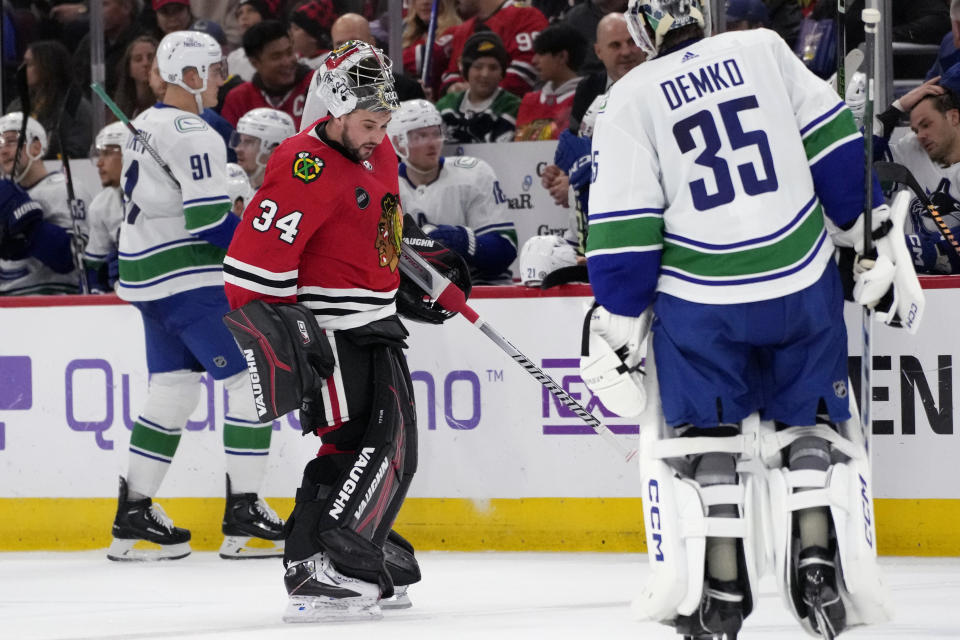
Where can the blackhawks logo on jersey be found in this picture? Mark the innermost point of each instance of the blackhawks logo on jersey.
(389, 232)
(307, 167)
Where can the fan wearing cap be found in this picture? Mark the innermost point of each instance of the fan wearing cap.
(310, 31)
(484, 112)
(247, 14)
(280, 81)
(746, 14)
(106, 210)
(457, 201)
(172, 15)
(35, 251)
(324, 231)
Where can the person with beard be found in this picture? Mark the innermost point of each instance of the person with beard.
(279, 82)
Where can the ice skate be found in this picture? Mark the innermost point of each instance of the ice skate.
(320, 593)
(143, 531)
(720, 615)
(817, 579)
(399, 599)
(251, 528)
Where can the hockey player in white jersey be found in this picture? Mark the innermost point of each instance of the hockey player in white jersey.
(258, 133)
(106, 210)
(36, 256)
(724, 174)
(172, 243)
(457, 201)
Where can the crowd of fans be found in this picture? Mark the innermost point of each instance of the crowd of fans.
(497, 70)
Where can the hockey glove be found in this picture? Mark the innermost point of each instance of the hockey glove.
(611, 355)
(20, 219)
(888, 284)
(412, 302)
(456, 238)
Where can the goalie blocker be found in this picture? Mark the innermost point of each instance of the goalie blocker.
(412, 302)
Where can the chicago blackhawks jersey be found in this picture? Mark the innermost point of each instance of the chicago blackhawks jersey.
(517, 26)
(30, 276)
(544, 114)
(324, 231)
(713, 168)
(160, 253)
(466, 193)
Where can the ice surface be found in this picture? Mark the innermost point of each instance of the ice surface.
(490, 595)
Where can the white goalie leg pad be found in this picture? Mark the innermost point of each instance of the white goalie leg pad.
(846, 490)
(675, 513)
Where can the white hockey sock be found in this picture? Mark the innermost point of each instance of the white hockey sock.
(245, 441)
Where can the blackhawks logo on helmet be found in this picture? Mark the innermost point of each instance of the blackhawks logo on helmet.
(307, 167)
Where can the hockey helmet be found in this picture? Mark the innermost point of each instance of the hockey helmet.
(238, 185)
(114, 134)
(542, 255)
(354, 76)
(35, 131)
(269, 126)
(185, 50)
(412, 115)
(662, 17)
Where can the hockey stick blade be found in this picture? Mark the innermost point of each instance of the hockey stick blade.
(565, 275)
(451, 298)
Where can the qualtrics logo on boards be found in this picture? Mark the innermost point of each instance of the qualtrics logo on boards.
(559, 420)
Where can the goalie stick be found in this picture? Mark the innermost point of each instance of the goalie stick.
(893, 172)
(451, 298)
(428, 45)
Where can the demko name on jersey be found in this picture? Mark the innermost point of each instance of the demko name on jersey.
(710, 78)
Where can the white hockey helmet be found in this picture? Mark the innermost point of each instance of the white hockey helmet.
(114, 134)
(269, 126)
(412, 115)
(238, 185)
(357, 75)
(35, 131)
(189, 49)
(662, 17)
(542, 255)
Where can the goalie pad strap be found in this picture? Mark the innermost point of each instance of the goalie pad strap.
(286, 352)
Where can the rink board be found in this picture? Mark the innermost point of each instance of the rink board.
(501, 465)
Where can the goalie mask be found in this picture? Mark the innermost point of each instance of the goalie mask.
(357, 76)
(661, 17)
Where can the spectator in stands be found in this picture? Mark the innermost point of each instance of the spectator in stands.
(556, 10)
(172, 15)
(559, 51)
(585, 18)
(618, 52)
(133, 88)
(248, 13)
(106, 210)
(457, 200)
(258, 133)
(516, 25)
(279, 82)
(484, 112)
(746, 14)
(931, 151)
(58, 108)
(35, 220)
(310, 31)
(416, 24)
(347, 28)
(785, 17)
(119, 30)
(949, 53)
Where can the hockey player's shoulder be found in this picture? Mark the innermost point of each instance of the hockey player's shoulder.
(466, 163)
(301, 157)
(189, 123)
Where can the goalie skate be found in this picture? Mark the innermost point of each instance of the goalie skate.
(399, 599)
(143, 531)
(251, 528)
(320, 593)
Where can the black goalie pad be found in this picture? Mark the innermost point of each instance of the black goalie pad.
(287, 355)
(412, 302)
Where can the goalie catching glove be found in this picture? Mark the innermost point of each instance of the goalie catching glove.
(887, 283)
(413, 302)
(610, 358)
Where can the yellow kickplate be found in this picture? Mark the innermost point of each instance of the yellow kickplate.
(146, 545)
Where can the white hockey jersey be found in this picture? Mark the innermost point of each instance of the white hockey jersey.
(159, 253)
(104, 216)
(30, 276)
(942, 184)
(710, 168)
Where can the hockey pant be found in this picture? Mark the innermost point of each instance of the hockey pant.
(679, 513)
(352, 491)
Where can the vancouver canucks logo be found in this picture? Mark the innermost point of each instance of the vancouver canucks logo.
(307, 167)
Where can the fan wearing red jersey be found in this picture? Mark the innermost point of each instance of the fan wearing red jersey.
(322, 236)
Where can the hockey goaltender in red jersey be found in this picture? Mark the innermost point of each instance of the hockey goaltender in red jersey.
(312, 274)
